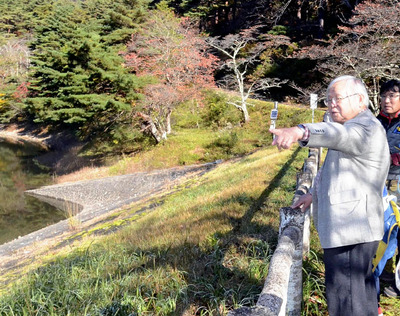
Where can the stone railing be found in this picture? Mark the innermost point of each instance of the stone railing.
(283, 288)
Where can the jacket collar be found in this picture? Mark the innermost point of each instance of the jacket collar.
(387, 116)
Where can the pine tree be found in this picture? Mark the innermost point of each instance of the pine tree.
(118, 19)
(77, 79)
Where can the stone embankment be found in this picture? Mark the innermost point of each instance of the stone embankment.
(89, 202)
(91, 198)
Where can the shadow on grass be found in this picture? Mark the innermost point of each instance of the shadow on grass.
(213, 279)
(225, 271)
(274, 184)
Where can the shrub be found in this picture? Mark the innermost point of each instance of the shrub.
(218, 113)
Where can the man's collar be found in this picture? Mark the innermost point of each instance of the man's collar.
(387, 116)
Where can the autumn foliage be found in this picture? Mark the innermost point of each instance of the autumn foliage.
(368, 47)
(171, 54)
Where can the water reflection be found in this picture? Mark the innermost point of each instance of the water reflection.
(21, 214)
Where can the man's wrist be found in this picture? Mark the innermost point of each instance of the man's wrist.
(305, 132)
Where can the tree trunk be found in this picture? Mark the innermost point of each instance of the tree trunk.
(246, 115)
(299, 4)
(148, 126)
(321, 18)
(168, 122)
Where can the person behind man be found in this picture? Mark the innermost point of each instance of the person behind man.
(347, 200)
(390, 120)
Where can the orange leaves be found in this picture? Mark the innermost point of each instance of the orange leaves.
(22, 91)
(171, 50)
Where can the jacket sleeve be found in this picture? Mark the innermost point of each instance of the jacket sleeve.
(350, 138)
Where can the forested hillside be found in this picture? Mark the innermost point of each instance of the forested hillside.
(188, 79)
(117, 72)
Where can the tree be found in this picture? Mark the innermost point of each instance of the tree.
(19, 17)
(367, 48)
(14, 64)
(77, 79)
(118, 19)
(170, 53)
(242, 52)
(14, 59)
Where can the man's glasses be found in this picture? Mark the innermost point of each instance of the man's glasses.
(336, 100)
(391, 96)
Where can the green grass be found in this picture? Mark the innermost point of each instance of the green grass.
(313, 285)
(202, 143)
(390, 306)
(203, 250)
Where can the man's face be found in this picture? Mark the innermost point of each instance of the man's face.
(343, 105)
(390, 103)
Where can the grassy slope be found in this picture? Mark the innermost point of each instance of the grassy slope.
(204, 250)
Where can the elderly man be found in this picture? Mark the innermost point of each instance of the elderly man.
(347, 199)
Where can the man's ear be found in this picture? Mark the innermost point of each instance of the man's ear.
(362, 102)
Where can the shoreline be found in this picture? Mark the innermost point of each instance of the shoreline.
(58, 151)
(13, 135)
(98, 199)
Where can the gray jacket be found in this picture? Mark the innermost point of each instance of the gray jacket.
(347, 201)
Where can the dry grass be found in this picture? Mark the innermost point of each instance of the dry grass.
(86, 173)
(203, 250)
(197, 214)
(205, 247)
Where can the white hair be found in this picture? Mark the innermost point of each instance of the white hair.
(353, 85)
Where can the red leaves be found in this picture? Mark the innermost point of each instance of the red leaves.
(170, 51)
(22, 91)
(368, 47)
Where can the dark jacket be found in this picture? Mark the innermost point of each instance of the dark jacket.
(392, 128)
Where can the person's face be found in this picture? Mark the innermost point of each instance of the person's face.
(343, 105)
(390, 103)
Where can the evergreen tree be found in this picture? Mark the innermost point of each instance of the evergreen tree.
(77, 79)
(118, 19)
(18, 18)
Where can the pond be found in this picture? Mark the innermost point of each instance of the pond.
(21, 214)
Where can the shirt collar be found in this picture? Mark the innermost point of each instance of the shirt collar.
(386, 116)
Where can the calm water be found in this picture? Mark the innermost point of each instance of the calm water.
(21, 214)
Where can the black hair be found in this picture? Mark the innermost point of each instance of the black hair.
(391, 85)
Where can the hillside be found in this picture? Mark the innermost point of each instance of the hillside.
(114, 72)
(142, 87)
(201, 245)
(221, 224)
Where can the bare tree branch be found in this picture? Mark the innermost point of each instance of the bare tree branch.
(242, 52)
